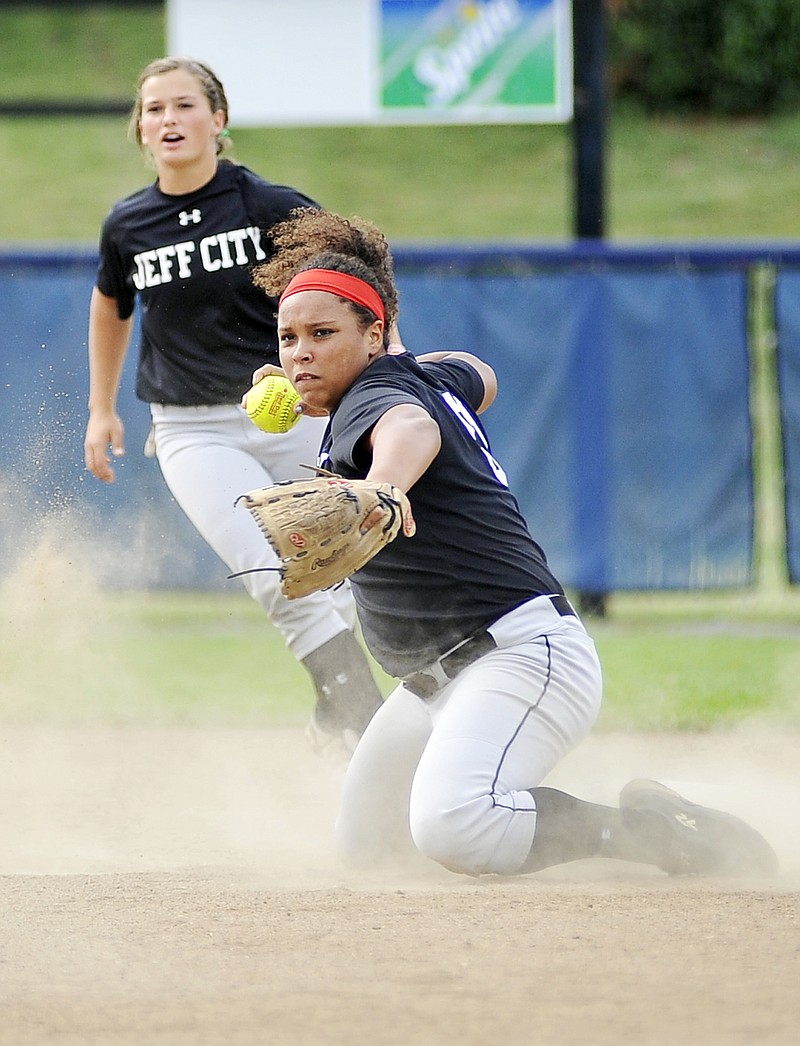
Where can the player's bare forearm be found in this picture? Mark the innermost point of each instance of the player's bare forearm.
(487, 374)
(404, 442)
(108, 343)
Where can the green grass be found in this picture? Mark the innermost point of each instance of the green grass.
(696, 662)
(665, 180)
(680, 680)
(93, 51)
(671, 662)
(702, 179)
(73, 654)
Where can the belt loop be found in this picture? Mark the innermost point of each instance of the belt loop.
(563, 606)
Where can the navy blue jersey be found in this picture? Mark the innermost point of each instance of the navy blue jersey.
(205, 326)
(473, 557)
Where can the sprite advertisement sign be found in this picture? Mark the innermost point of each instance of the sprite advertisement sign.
(479, 61)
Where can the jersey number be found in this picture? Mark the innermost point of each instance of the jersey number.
(467, 420)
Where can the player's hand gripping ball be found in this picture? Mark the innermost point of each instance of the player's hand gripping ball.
(270, 404)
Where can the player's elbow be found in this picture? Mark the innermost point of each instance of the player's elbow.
(489, 379)
(425, 432)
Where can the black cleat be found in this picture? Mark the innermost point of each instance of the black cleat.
(683, 838)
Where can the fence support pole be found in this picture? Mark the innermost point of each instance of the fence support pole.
(589, 141)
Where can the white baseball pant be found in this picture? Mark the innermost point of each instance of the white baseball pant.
(211, 455)
(449, 777)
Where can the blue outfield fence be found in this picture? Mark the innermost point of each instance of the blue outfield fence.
(623, 417)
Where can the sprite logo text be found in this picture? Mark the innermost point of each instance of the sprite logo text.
(447, 70)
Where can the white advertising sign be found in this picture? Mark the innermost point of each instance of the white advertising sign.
(349, 62)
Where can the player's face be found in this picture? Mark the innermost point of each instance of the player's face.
(177, 124)
(322, 347)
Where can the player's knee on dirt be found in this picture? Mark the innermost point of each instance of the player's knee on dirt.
(440, 837)
(464, 838)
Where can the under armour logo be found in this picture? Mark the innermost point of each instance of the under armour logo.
(190, 216)
(687, 822)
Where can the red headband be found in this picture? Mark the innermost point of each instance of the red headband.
(350, 287)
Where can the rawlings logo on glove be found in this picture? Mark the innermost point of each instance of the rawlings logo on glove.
(325, 529)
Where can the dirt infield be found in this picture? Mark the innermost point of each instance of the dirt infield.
(180, 886)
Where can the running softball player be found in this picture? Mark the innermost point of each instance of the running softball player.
(186, 246)
(499, 678)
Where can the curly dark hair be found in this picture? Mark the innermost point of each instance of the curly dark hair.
(314, 239)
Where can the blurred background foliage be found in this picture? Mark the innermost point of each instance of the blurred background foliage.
(727, 57)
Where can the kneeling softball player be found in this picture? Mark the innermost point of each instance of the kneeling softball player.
(499, 678)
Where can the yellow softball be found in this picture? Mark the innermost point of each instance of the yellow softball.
(270, 404)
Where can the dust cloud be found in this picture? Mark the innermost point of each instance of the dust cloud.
(86, 788)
